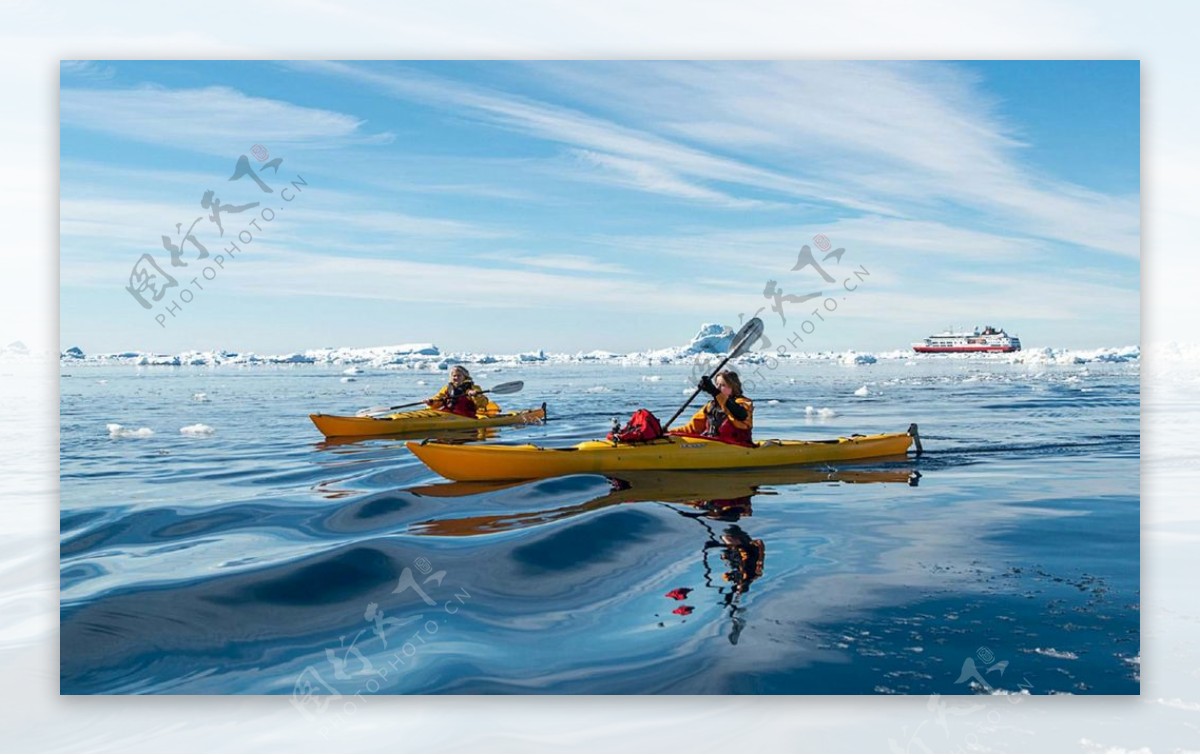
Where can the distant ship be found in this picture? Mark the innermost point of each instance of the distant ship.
(987, 340)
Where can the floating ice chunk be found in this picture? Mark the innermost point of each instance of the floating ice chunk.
(352, 371)
(822, 412)
(420, 382)
(597, 355)
(201, 397)
(598, 389)
(157, 360)
(852, 357)
(197, 430)
(120, 431)
(1065, 655)
(862, 391)
(651, 378)
(349, 380)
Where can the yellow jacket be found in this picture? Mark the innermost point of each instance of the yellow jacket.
(442, 397)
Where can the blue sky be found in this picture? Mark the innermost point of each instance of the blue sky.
(575, 205)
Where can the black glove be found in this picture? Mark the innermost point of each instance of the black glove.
(706, 385)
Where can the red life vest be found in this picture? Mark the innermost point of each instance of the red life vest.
(724, 430)
(718, 427)
(458, 402)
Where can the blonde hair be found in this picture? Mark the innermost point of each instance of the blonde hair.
(460, 368)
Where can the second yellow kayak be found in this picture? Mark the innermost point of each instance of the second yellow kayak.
(423, 420)
(527, 462)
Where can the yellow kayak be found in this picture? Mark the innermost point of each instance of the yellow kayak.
(528, 462)
(422, 420)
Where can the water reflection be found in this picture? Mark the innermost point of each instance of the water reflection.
(732, 558)
(719, 491)
(742, 558)
(441, 436)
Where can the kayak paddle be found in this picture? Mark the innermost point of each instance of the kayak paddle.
(745, 338)
(503, 389)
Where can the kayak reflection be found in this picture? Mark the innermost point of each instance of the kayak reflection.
(638, 487)
(442, 436)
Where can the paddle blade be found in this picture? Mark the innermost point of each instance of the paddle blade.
(506, 388)
(372, 410)
(745, 339)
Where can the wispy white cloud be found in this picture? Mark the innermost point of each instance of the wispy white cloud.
(892, 133)
(646, 176)
(673, 163)
(572, 262)
(403, 280)
(111, 227)
(883, 138)
(887, 242)
(213, 120)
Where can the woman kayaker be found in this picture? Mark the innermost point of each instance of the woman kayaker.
(729, 417)
(460, 395)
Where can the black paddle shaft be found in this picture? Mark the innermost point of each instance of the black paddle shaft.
(503, 389)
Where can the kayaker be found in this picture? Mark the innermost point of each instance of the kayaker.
(728, 417)
(460, 395)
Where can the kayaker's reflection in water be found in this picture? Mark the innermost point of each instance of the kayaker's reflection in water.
(743, 555)
(460, 395)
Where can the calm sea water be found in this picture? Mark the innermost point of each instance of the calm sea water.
(260, 559)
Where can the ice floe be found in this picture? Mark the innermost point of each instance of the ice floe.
(822, 412)
(120, 431)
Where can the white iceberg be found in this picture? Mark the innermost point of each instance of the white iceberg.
(711, 339)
